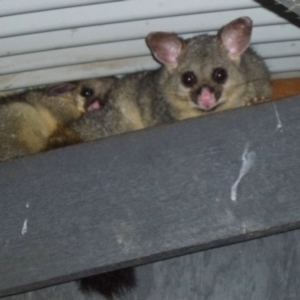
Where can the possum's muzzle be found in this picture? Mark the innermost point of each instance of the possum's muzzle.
(94, 104)
(206, 98)
(212, 109)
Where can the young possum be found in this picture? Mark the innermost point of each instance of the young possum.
(200, 75)
(30, 121)
(93, 91)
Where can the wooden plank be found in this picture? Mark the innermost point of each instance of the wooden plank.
(115, 32)
(124, 48)
(149, 195)
(113, 12)
(260, 269)
(112, 67)
(286, 87)
(77, 72)
(88, 51)
(284, 64)
(21, 7)
(114, 51)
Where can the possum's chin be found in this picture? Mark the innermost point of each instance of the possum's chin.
(210, 109)
(206, 101)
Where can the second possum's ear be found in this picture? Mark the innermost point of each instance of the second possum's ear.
(235, 37)
(59, 88)
(165, 47)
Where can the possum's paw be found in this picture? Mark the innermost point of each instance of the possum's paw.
(256, 100)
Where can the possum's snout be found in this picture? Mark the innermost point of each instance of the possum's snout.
(206, 98)
(91, 101)
(95, 104)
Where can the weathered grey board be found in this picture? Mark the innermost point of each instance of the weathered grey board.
(262, 269)
(148, 195)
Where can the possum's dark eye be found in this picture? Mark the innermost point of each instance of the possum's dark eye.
(219, 75)
(188, 79)
(87, 93)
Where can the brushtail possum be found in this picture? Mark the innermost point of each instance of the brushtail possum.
(93, 91)
(36, 120)
(197, 76)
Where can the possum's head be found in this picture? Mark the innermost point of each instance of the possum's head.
(87, 95)
(94, 91)
(207, 73)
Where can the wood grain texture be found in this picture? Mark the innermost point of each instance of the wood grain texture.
(149, 195)
(285, 87)
(262, 269)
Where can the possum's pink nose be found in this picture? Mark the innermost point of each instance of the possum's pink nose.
(94, 106)
(206, 99)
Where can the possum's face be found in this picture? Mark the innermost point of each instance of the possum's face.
(85, 95)
(92, 92)
(205, 73)
(205, 93)
(206, 78)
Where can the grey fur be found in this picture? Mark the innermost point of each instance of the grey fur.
(155, 97)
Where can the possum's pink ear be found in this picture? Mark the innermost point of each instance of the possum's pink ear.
(235, 36)
(59, 88)
(165, 47)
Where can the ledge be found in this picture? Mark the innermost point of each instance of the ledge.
(149, 195)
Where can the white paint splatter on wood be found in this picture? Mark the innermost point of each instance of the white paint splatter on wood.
(124, 236)
(247, 162)
(24, 229)
(244, 228)
(279, 123)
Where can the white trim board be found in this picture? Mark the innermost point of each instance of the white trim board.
(64, 40)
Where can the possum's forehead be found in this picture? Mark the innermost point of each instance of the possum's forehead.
(89, 83)
(204, 53)
(94, 84)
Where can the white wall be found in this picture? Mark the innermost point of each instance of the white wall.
(44, 41)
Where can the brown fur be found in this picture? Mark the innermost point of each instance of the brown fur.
(37, 120)
(61, 137)
(101, 87)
